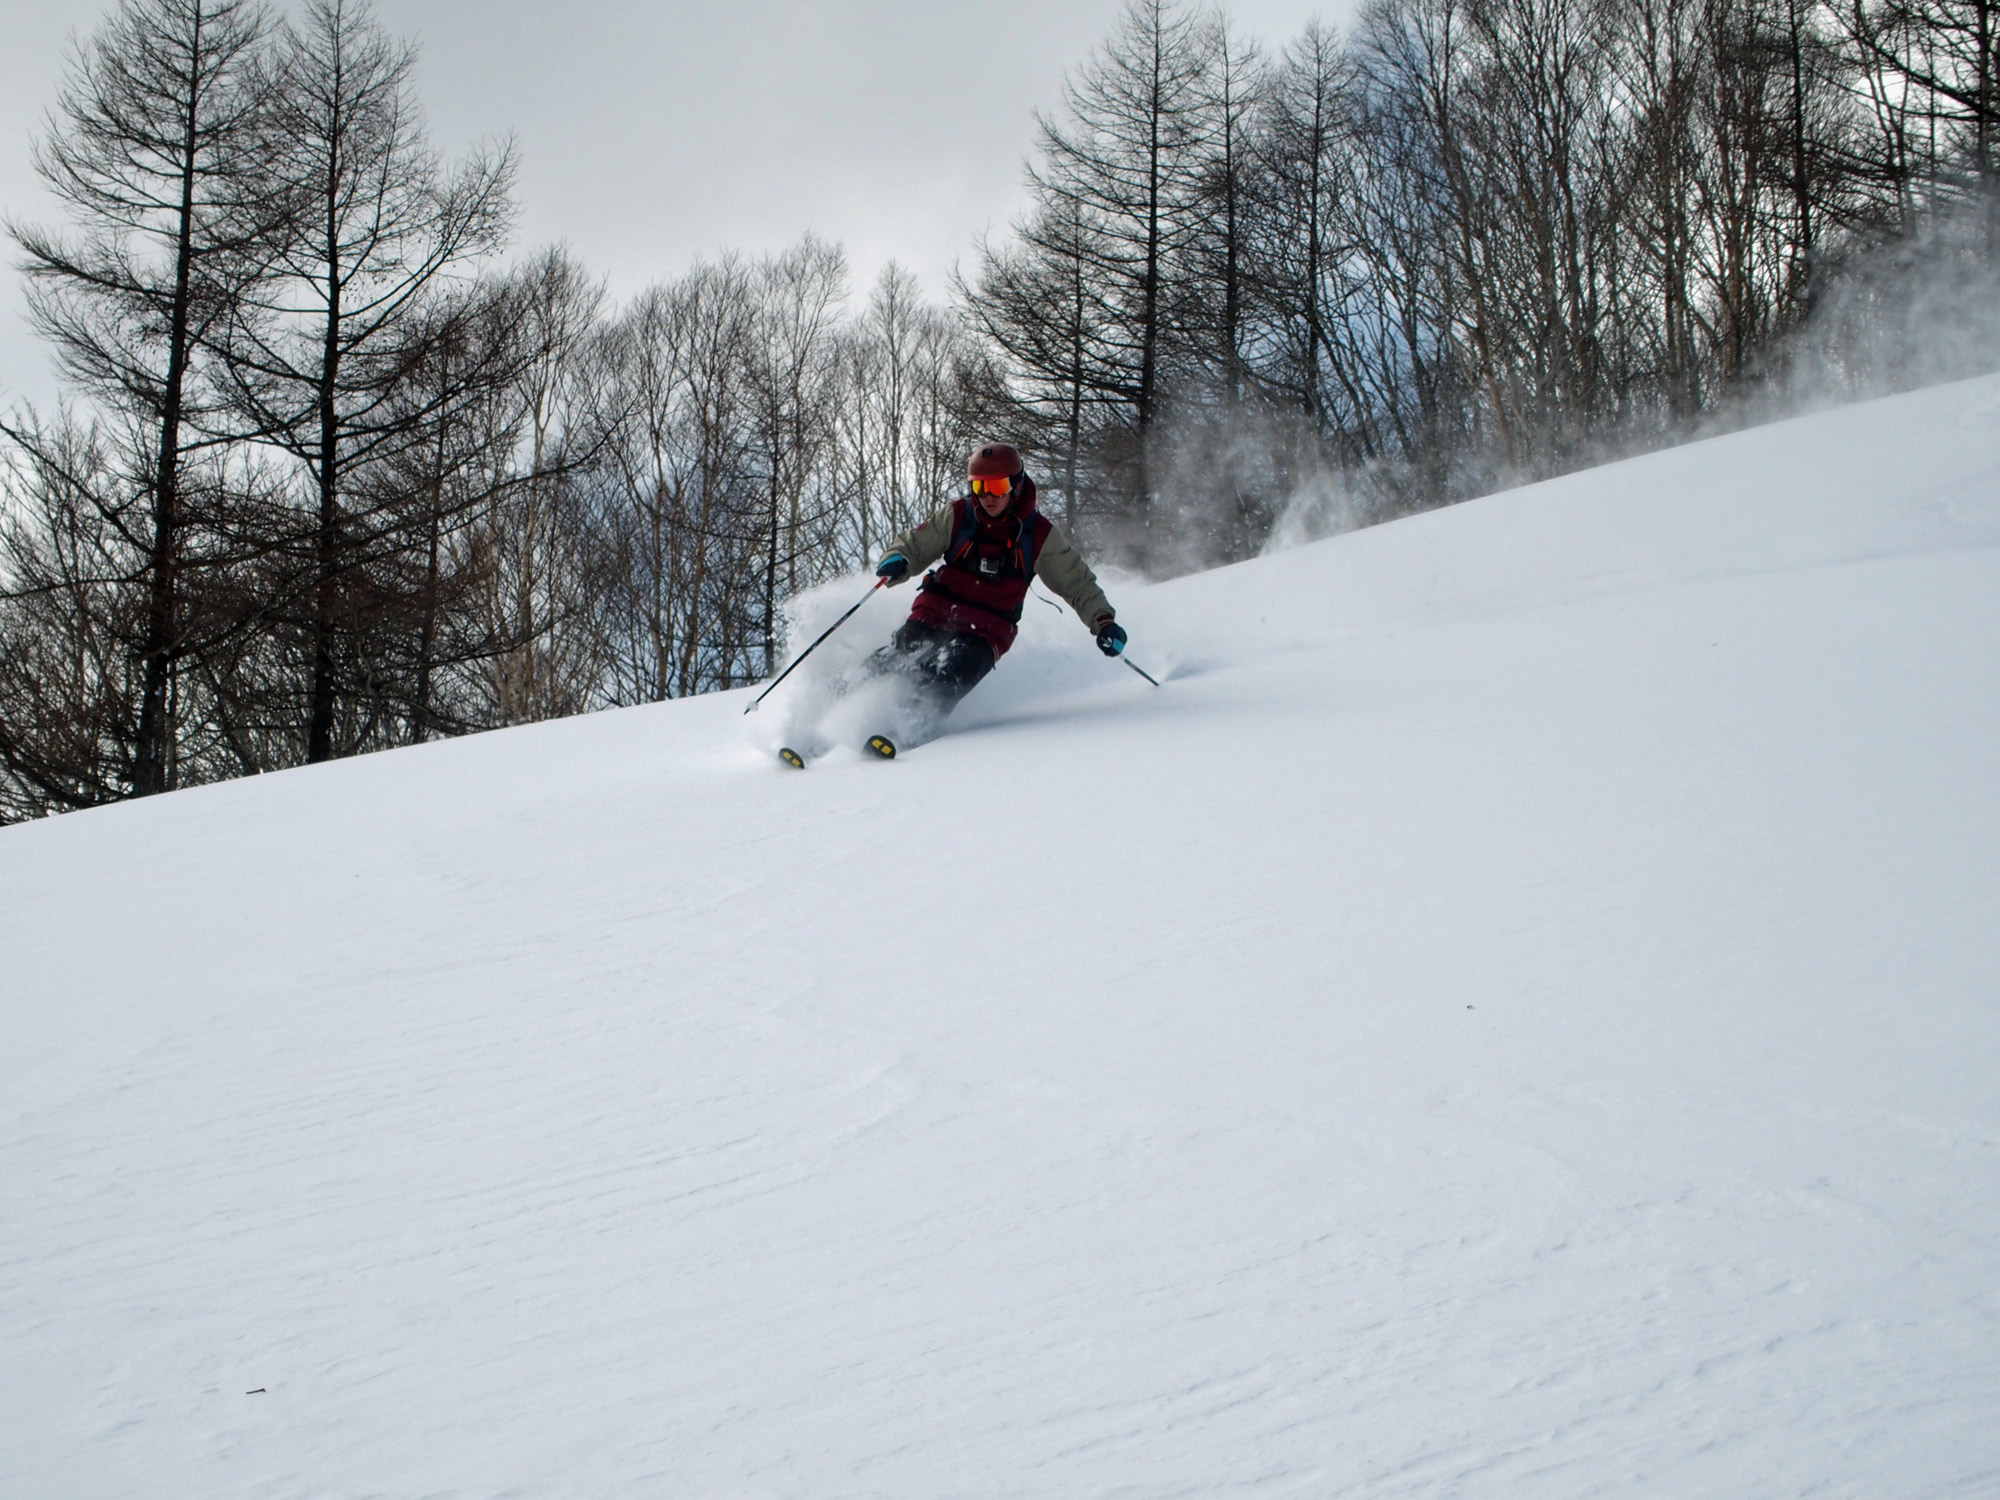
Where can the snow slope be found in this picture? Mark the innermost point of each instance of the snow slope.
(1516, 1015)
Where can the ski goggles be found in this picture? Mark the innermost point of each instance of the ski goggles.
(992, 484)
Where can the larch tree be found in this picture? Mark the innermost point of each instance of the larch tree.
(1129, 158)
(377, 225)
(159, 150)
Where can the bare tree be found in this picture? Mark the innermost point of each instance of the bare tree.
(1942, 57)
(1040, 303)
(901, 403)
(535, 535)
(461, 400)
(68, 698)
(1232, 88)
(799, 294)
(1304, 254)
(376, 226)
(1128, 158)
(156, 150)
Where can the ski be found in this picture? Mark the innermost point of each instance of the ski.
(879, 745)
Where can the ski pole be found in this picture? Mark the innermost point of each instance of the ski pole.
(1140, 670)
(815, 645)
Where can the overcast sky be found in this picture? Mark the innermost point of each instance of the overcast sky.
(653, 133)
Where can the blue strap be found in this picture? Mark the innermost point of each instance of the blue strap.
(1033, 529)
(964, 530)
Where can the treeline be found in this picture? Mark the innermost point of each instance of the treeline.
(336, 481)
(332, 478)
(1468, 240)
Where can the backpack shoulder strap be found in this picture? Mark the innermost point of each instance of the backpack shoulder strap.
(964, 529)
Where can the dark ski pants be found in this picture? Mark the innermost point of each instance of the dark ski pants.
(944, 664)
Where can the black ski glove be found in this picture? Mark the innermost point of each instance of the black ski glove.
(1110, 637)
(894, 567)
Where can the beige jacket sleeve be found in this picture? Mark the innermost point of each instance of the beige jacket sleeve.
(922, 545)
(1063, 569)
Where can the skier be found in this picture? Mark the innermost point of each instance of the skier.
(991, 544)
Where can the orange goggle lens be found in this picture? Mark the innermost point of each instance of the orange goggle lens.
(992, 484)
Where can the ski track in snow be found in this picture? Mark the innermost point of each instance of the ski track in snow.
(1515, 1016)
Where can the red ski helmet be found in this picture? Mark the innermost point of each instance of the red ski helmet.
(994, 461)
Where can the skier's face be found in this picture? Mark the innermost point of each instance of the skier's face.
(992, 493)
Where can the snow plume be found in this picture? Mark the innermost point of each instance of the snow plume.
(1219, 474)
(1914, 312)
(1918, 310)
(834, 700)
(1229, 480)
(1322, 504)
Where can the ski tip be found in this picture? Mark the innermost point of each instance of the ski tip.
(791, 758)
(882, 745)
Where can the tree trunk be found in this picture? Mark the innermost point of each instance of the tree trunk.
(151, 772)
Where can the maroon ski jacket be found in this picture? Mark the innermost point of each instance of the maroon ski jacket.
(986, 564)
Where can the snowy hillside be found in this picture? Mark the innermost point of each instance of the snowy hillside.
(1517, 1015)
